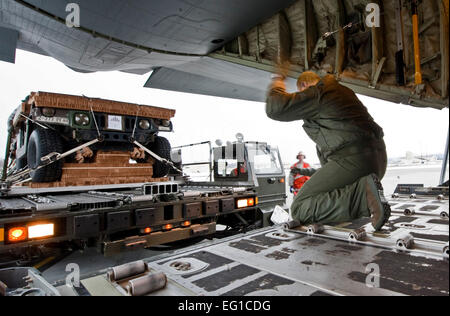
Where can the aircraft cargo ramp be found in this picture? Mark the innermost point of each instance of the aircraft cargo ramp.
(409, 257)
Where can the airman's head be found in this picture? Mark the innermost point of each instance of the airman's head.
(301, 156)
(306, 80)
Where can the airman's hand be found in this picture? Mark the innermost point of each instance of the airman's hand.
(278, 83)
(282, 68)
(281, 73)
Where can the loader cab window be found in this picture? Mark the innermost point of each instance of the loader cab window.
(266, 159)
(230, 162)
(227, 167)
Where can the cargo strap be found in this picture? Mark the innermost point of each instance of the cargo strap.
(95, 120)
(48, 160)
(33, 121)
(151, 153)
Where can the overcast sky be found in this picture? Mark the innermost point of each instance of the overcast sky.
(200, 118)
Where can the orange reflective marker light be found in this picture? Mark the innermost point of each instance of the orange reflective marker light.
(168, 227)
(282, 180)
(17, 234)
(148, 230)
(186, 224)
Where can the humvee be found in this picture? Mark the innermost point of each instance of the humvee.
(47, 123)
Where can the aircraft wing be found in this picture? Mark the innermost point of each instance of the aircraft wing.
(111, 29)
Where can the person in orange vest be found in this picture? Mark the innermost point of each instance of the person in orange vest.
(296, 181)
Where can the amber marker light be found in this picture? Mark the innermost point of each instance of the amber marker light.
(17, 234)
(168, 227)
(251, 202)
(186, 224)
(41, 231)
(148, 230)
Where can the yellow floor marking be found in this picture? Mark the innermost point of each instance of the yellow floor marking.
(44, 262)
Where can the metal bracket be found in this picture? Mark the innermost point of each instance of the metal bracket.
(419, 90)
(4, 188)
(241, 219)
(377, 73)
(405, 242)
(357, 235)
(315, 229)
(445, 251)
(50, 158)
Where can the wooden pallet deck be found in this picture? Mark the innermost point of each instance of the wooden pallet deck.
(108, 168)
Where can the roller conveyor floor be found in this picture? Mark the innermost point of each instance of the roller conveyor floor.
(408, 257)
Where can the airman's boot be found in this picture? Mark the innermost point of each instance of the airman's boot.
(378, 206)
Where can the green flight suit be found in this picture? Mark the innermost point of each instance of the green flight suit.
(350, 147)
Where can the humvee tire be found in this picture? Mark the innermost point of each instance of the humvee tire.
(41, 143)
(162, 148)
